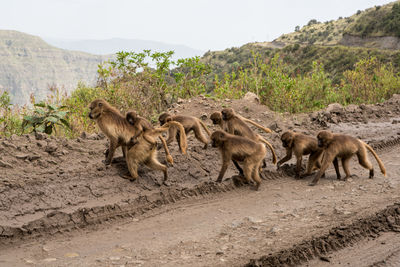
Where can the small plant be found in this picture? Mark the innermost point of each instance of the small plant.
(10, 121)
(45, 118)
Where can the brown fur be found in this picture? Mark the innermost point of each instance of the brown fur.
(300, 145)
(141, 125)
(113, 125)
(235, 125)
(241, 149)
(189, 123)
(344, 147)
(144, 151)
(216, 118)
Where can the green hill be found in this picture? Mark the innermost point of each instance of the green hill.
(376, 27)
(338, 44)
(29, 65)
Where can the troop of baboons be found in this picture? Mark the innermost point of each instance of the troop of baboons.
(236, 141)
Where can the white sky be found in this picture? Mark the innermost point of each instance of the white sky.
(202, 24)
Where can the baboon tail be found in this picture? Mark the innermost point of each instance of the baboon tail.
(271, 148)
(265, 129)
(182, 134)
(205, 128)
(380, 163)
(169, 157)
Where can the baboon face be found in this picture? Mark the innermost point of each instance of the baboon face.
(165, 117)
(96, 108)
(131, 117)
(324, 138)
(216, 118)
(217, 138)
(287, 139)
(227, 113)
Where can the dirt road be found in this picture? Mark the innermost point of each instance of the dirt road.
(75, 212)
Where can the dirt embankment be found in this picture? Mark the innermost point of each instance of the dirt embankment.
(50, 185)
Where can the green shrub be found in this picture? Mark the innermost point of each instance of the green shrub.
(45, 118)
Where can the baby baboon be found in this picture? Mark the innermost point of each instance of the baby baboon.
(237, 126)
(113, 125)
(301, 144)
(189, 123)
(216, 118)
(344, 147)
(144, 151)
(242, 149)
(141, 125)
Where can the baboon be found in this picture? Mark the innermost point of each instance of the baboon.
(141, 125)
(144, 151)
(113, 125)
(235, 123)
(237, 126)
(189, 123)
(216, 118)
(241, 149)
(300, 144)
(344, 147)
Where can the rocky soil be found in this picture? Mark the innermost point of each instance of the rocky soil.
(60, 206)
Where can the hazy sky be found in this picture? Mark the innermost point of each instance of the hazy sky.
(202, 24)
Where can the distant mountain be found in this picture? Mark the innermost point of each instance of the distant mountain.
(30, 65)
(114, 45)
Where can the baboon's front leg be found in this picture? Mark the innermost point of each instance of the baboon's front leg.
(111, 151)
(223, 170)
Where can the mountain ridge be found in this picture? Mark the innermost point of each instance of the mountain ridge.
(28, 65)
(114, 45)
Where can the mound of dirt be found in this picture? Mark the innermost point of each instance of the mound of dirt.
(336, 113)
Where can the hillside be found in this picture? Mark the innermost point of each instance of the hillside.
(337, 44)
(376, 27)
(114, 45)
(299, 58)
(30, 65)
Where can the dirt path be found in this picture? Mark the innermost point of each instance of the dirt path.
(381, 251)
(225, 229)
(60, 207)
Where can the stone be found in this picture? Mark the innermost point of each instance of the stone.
(335, 108)
(22, 156)
(251, 97)
(253, 220)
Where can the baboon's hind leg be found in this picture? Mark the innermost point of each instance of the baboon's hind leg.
(364, 161)
(345, 165)
(200, 136)
(154, 164)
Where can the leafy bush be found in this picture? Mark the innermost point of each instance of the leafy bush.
(45, 118)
